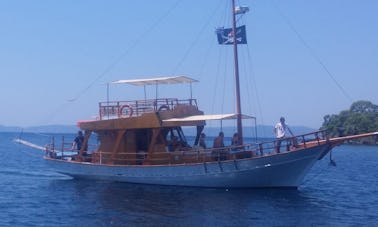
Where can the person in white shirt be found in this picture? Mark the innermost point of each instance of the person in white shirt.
(280, 130)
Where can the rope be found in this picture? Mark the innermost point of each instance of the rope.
(316, 175)
(312, 53)
(202, 31)
(31, 154)
(117, 60)
(252, 80)
(132, 46)
(221, 56)
(216, 84)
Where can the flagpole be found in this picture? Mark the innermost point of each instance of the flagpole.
(237, 85)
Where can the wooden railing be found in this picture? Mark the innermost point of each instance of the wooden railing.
(195, 154)
(65, 150)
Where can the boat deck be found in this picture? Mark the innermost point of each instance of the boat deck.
(190, 155)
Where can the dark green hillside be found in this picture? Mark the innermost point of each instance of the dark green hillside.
(362, 117)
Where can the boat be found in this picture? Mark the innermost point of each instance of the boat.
(143, 141)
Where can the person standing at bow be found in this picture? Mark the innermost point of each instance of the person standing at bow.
(280, 130)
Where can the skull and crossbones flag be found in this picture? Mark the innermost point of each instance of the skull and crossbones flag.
(226, 35)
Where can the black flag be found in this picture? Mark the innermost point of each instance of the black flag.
(226, 35)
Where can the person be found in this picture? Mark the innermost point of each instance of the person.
(280, 130)
(219, 154)
(202, 142)
(218, 141)
(235, 139)
(78, 142)
(174, 143)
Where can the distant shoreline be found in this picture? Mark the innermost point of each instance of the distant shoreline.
(263, 131)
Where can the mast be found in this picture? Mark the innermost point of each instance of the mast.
(237, 84)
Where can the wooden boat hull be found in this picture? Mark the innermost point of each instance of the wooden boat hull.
(286, 169)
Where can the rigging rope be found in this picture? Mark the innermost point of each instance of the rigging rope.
(312, 53)
(122, 55)
(222, 55)
(117, 60)
(20, 143)
(317, 174)
(186, 54)
(252, 80)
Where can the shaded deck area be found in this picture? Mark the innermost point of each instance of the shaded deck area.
(189, 155)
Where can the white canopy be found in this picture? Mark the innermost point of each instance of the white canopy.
(208, 117)
(157, 80)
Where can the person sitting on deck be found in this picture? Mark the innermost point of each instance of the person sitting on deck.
(202, 142)
(219, 154)
(218, 141)
(174, 144)
(235, 139)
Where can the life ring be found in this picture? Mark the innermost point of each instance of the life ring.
(163, 107)
(130, 111)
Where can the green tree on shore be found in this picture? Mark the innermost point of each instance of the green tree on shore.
(362, 117)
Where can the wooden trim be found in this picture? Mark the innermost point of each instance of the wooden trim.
(120, 134)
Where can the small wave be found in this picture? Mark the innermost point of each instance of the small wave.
(34, 174)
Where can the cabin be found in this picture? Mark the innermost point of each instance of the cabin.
(142, 132)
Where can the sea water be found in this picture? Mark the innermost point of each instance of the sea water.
(31, 194)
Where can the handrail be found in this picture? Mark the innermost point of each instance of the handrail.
(198, 155)
(66, 149)
(121, 109)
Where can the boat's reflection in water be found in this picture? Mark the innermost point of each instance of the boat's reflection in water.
(153, 205)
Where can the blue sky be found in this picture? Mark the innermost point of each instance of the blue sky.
(57, 56)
